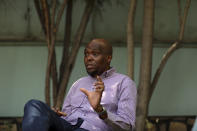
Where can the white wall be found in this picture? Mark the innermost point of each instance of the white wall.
(14, 21)
(22, 77)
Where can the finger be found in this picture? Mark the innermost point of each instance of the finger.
(98, 78)
(54, 109)
(57, 108)
(99, 88)
(98, 83)
(86, 92)
(62, 113)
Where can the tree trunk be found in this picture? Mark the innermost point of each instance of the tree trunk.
(46, 16)
(53, 64)
(67, 39)
(130, 38)
(79, 36)
(146, 65)
(50, 28)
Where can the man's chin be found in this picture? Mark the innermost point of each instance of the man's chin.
(92, 73)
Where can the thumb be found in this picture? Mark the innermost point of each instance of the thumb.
(86, 92)
(98, 78)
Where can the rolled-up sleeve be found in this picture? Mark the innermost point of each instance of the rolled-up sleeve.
(125, 116)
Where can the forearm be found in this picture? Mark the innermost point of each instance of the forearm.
(112, 120)
(116, 125)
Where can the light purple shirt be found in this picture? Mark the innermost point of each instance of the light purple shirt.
(119, 100)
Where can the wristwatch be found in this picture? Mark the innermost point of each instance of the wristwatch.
(101, 111)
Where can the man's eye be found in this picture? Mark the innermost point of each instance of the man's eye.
(95, 54)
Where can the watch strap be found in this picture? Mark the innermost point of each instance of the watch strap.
(103, 114)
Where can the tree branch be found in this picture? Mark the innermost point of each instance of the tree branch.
(60, 13)
(179, 12)
(77, 41)
(47, 26)
(53, 57)
(130, 38)
(170, 50)
(67, 38)
(40, 15)
(184, 20)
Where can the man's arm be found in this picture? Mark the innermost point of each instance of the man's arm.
(58, 112)
(125, 115)
(126, 110)
(109, 118)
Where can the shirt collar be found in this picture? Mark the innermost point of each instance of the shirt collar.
(107, 73)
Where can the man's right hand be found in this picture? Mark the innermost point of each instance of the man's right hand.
(94, 97)
(58, 112)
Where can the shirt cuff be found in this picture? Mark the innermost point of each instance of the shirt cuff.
(115, 124)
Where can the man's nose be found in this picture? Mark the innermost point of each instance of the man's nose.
(89, 57)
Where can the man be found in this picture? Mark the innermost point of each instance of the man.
(102, 101)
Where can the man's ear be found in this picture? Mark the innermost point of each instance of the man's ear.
(109, 58)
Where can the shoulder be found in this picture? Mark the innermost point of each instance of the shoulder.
(125, 82)
(123, 78)
(77, 84)
(80, 80)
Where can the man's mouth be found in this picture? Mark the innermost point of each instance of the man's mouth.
(90, 66)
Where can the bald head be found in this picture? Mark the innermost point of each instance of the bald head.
(97, 57)
(104, 46)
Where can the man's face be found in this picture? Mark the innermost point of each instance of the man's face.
(96, 61)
